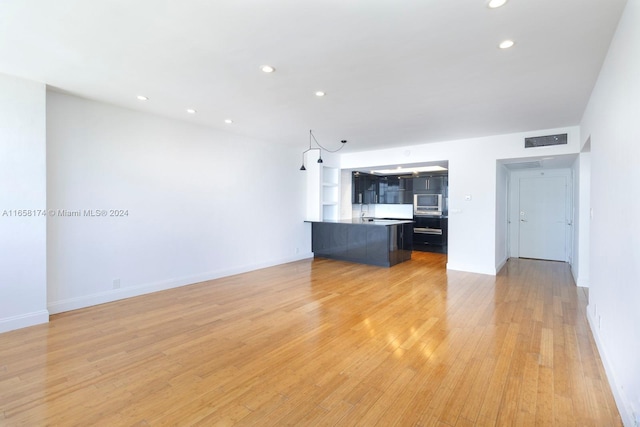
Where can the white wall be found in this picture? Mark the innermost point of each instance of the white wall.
(472, 171)
(581, 219)
(22, 188)
(502, 216)
(611, 123)
(201, 203)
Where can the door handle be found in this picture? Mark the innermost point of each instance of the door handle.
(523, 220)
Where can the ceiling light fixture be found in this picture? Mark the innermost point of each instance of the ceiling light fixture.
(319, 148)
(142, 98)
(493, 4)
(228, 121)
(191, 111)
(415, 170)
(320, 93)
(506, 44)
(267, 69)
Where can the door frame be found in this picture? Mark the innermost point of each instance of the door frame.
(513, 202)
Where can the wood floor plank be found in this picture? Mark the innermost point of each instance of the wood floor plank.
(320, 342)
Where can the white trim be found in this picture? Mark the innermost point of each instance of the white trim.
(133, 291)
(471, 269)
(580, 282)
(24, 320)
(501, 264)
(624, 406)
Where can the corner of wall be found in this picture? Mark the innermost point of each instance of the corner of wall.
(23, 320)
(23, 222)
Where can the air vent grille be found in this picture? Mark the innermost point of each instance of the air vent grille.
(524, 165)
(543, 141)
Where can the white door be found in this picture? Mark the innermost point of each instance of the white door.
(543, 218)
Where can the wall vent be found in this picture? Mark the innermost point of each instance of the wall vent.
(543, 141)
(524, 165)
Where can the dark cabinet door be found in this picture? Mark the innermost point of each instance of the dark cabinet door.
(432, 184)
(391, 189)
(365, 188)
(328, 239)
(372, 183)
(357, 242)
(406, 189)
(378, 245)
(357, 188)
(393, 194)
(430, 234)
(395, 189)
(388, 189)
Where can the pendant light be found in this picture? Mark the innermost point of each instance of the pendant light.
(319, 148)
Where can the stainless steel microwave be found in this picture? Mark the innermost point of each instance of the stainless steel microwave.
(427, 204)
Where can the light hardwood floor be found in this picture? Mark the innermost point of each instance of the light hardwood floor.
(320, 343)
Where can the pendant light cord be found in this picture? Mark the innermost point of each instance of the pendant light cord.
(311, 135)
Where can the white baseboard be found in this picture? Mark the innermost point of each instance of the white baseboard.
(623, 404)
(133, 291)
(23, 320)
(491, 271)
(501, 264)
(583, 283)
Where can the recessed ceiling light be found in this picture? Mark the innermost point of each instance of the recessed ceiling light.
(496, 3)
(506, 44)
(320, 93)
(267, 69)
(142, 98)
(228, 121)
(191, 111)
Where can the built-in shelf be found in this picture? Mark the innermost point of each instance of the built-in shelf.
(330, 193)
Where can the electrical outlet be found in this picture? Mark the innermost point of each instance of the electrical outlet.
(116, 284)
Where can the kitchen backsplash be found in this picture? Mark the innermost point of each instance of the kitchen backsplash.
(383, 211)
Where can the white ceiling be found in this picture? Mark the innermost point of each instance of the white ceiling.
(395, 72)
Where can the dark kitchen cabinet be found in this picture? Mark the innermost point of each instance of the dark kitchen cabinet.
(387, 189)
(430, 234)
(363, 242)
(371, 189)
(329, 238)
(430, 184)
(403, 238)
(406, 189)
(396, 189)
(357, 188)
(365, 188)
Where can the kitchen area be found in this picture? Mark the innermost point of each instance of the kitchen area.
(420, 195)
(393, 211)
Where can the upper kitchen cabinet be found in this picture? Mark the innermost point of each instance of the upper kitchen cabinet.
(372, 189)
(365, 188)
(406, 189)
(396, 189)
(430, 184)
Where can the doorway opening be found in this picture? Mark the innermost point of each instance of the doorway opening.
(538, 208)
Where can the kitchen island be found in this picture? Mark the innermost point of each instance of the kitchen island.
(381, 242)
